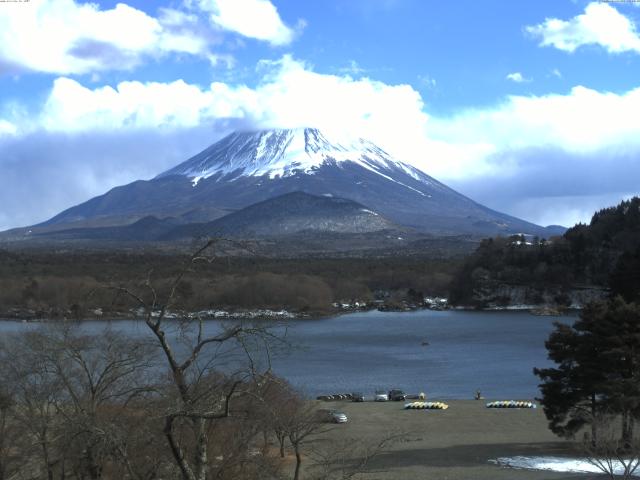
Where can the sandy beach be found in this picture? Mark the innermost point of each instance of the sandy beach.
(454, 444)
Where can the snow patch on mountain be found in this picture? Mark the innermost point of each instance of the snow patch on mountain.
(366, 210)
(288, 152)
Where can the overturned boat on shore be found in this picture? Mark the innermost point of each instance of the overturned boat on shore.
(511, 404)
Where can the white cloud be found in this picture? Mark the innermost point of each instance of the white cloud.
(181, 32)
(517, 77)
(582, 121)
(72, 107)
(7, 128)
(66, 37)
(257, 19)
(291, 94)
(550, 159)
(600, 24)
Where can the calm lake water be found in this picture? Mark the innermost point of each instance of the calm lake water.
(494, 352)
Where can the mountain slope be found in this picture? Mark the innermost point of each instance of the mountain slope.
(249, 167)
(290, 214)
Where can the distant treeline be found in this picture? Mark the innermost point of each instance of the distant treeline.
(605, 253)
(76, 282)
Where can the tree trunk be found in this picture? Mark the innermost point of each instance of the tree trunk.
(594, 421)
(3, 426)
(63, 470)
(627, 429)
(94, 470)
(176, 451)
(202, 442)
(45, 457)
(296, 475)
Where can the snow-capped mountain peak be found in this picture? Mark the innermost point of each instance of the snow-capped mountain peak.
(249, 168)
(286, 152)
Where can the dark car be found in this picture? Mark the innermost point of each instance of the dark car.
(397, 395)
(357, 397)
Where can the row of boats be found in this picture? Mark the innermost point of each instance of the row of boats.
(444, 406)
(426, 406)
(511, 404)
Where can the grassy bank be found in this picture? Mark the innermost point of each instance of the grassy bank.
(454, 444)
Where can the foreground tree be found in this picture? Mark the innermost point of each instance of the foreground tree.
(348, 457)
(614, 457)
(278, 400)
(573, 391)
(598, 370)
(90, 406)
(619, 324)
(625, 277)
(10, 435)
(73, 392)
(303, 425)
(200, 394)
(186, 399)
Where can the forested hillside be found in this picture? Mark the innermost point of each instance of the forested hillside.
(73, 283)
(603, 256)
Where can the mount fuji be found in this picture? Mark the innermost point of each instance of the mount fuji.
(246, 168)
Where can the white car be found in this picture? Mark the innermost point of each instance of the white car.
(338, 417)
(381, 396)
(332, 416)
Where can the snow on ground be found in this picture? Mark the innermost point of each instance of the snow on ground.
(553, 464)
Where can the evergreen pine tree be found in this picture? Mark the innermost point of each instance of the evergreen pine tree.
(597, 370)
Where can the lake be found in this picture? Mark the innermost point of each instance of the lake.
(494, 352)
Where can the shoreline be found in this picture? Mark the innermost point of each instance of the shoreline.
(52, 315)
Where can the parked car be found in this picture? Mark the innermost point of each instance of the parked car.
(339, 417)
(381, 396)
(397, 395)
(357, 397)
(332, 416)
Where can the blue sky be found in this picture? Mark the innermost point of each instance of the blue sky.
(529, 107)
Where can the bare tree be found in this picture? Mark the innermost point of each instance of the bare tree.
(183, 402)
(35, 392)
(346, 457)
(6, 402)
(303, 424)
(71, 390)
(201, 394)
(9, 436)
(277, 400)
(613, 455)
